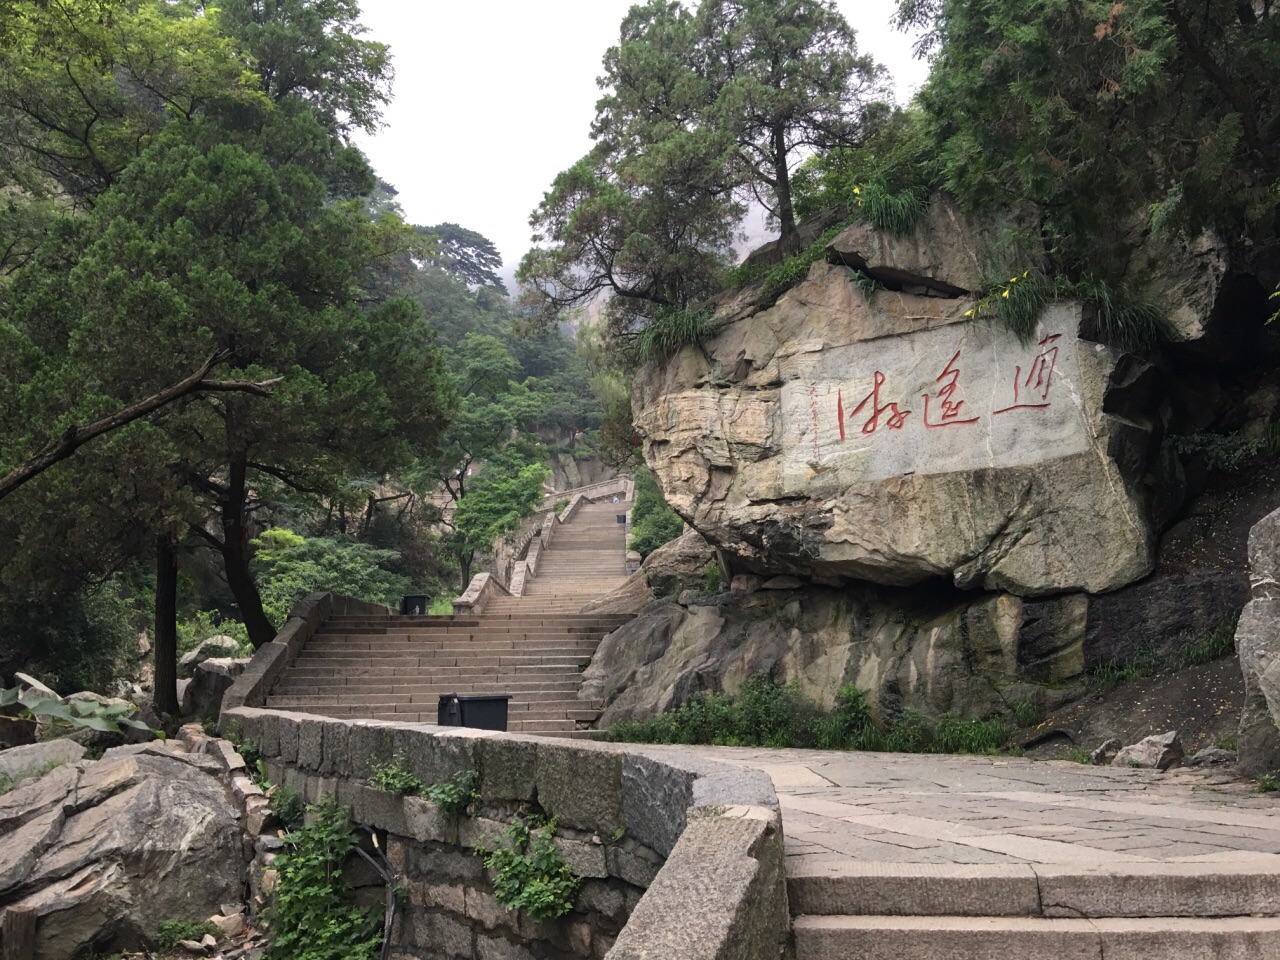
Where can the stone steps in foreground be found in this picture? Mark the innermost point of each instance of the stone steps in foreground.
(1035, 938)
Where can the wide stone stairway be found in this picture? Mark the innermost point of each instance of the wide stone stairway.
(533, 647)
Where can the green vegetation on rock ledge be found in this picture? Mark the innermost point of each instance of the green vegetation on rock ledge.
(768, 714)
(528, 871)
(653, 522)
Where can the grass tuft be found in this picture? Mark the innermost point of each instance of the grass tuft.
(670, 330)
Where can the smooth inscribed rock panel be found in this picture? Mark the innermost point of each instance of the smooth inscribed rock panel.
(891, 440)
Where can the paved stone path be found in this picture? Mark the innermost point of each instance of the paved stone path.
(896, 808)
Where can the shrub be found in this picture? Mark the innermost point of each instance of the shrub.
(286, 804)
(767, 714)
(394, 776)
(454, 795)
(528, 872)
(312, 918)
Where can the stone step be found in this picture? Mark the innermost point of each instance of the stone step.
(1063, 890)
(1035, 938)
(519, 644)
(328, 673)
(450, 660)
(559, 705)
(564, 727)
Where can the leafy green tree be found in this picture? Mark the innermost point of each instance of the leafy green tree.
(288, 566)
(788, 80)
(504, 494)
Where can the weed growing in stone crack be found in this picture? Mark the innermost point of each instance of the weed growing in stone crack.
(173, 931)
(1268, 782)
(312, 918)
(1079, 755)
(394, 776)
(454, 795)
(528, 872)
(1229, 742)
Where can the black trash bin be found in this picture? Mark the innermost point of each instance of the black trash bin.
(480, 712)
(415, 604)
(622, 517)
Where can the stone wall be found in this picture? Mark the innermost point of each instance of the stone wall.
(679, 857)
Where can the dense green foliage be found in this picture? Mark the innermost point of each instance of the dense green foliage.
(529, 873)
(653, 522)
(312, 917)
(767, 714)
(453, 796)
(289, 566)
(172, 931)
(671, 329)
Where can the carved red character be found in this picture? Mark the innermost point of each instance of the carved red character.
(1032, 393)
(951, 409)
(897, 416)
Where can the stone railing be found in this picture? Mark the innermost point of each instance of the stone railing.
(270, 660)
(482, 588)
(679, 857)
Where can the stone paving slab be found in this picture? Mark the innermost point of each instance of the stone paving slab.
(929, 809)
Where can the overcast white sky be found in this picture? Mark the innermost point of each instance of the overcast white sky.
(493, 100)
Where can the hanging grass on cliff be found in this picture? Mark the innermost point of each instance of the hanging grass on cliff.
(768, 714)
(670, 330)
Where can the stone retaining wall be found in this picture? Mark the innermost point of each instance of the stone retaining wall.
(680, 857)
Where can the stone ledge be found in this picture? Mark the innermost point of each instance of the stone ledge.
(483, 587)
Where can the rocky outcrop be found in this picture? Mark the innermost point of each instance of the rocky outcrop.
(209, 649)
(105, 852)
(936, 651)
(895, 441)
(1159, 752)
(945, 254)
(201, 696)
(1258, 646)
(667, 572)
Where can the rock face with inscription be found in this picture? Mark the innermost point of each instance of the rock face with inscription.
(894, 440)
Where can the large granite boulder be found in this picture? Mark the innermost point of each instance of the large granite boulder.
(1258, 646)
(201, 696)
(667, 572)
(105, 852)
(218, 647)
(895, 440)
(929, 650)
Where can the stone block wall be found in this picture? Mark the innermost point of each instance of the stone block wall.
(679, 857)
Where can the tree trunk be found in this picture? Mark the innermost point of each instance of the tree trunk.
(786, 212)
(465, 559)
(166, 634)
(235, 558)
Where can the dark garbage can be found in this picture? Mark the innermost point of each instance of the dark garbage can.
(415, 604)
(480, 712)
(622, 518)
(449, 711)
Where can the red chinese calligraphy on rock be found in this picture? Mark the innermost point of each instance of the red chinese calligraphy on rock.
(894, 421)
(951, 409)
(1032, 393)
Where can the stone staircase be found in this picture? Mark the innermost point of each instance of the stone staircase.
(533, 647)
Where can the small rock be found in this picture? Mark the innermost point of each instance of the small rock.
(231, 926)
(1153, 753)
(209, 941)
(1102, 756)
(1212, 757)
(744, 584)
(191, 946)
(782, 583)
(687, 597)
